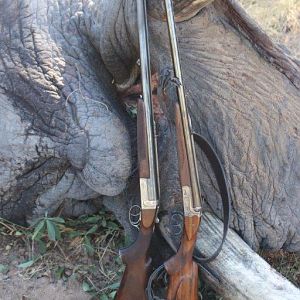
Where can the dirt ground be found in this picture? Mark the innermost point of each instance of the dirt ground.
(81, 263)
(83, 266)
(16, 284)
(13, 288)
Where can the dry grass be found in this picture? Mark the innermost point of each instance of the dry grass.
(86, 249)
(288, 264)
(280, 18)
(276, 16)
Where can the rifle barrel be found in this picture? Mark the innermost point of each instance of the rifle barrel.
(150, 187)
(184, 111)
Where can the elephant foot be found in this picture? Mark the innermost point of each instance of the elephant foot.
(65, 195)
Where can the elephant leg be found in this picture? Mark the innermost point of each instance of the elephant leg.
(69, 187)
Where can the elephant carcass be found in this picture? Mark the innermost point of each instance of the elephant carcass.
(243, 92)
(63, 135)
(66, 141)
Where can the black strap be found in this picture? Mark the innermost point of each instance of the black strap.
(224, 192)
(223, 187)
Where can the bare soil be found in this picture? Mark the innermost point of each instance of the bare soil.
(82, 264)
(16, 284)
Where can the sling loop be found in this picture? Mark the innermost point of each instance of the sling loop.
(223, 188)
(218, 170)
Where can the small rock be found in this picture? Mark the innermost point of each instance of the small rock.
(22, 251)
(8, 247)
(68, 272)
(4, 277)
(15, 262)
(43, 281)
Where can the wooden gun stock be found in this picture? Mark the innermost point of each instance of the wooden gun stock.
(183, 273)
(142, 144)
(135, 277)
(182, 270)
(135, 257)
(184, 171)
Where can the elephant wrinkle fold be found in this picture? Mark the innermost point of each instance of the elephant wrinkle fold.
(59, 91)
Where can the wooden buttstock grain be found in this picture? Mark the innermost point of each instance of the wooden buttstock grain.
(184, 171)
(142, 142)
(182, 270)
(184, 286)
(137, 261)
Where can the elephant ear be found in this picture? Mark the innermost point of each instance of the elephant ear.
(183, 9)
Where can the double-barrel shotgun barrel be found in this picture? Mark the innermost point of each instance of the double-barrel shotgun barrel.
(136, 257)
(182, 268)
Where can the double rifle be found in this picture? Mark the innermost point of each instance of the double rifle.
(181, 268)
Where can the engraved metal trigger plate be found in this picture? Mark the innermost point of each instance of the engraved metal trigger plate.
(135, 216)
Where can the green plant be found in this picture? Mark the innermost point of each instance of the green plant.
(87, 227)
(40, 233)
(82, 248)
(48, 226)
(3, 269)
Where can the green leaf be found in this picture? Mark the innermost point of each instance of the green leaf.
(93, 219)
(18, 233)
(88, 246)
(127, 241)
(57, 220)
(26, 264)
(82, 217)
(42, 246)
(4, 269)
(39, 229)
(74, 234)
(119, 261)
(57, 232)
(103, 223)
(86, 287)
(39, 235)
(51, 230)
(114, 286)
(36, 222)
(112, 225)
(59, 272)
(92, 230)
(121, 270)
(104, 297)
(112, 295)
